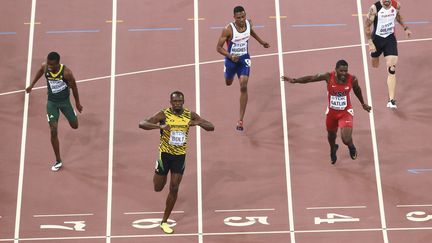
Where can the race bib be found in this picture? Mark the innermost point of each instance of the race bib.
(177, 138)
(239, 49)
(338, 102)
(57, 86)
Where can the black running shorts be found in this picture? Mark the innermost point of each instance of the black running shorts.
(387, 45)
(169, 162)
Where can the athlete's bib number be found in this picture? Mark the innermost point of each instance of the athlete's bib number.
(338, 102)
(57, 85)
(177, 138)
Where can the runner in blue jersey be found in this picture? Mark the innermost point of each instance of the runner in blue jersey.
(237, 59)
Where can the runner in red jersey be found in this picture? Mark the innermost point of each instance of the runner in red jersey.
(339, 110)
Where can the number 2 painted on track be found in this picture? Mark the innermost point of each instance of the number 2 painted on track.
(412, 216)
(335, 218)
(236, 221)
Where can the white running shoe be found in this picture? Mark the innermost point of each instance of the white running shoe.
(392, 104)
(56, 166)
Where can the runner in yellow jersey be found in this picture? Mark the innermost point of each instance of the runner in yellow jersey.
(174, 123)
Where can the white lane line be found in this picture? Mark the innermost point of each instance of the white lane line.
(111, 121)
(198, 128)
(214, 61)
(135, 213)
(244, 210)
(372, 124)
(414, 206)
(340, 207)
(222, 234)
(24, 126)
(285, 126)
(61, 215)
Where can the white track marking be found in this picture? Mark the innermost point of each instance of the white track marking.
(285, 126)
(243, 210)
(61, 215)
(372, 124)
(414, 206)
(340, 207)
(24, 126)
(214, 61)
(111, 121)
(198, 128)
(135, 213)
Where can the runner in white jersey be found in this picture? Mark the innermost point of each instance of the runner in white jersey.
(237, 60)
(382, 39)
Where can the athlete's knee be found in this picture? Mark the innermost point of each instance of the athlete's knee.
(347, 139)
(158, 188)
(331, 135)
(392, 69)
(375, 62)
(53, 131)
(243, 87)
(228, 82)
(174, 188)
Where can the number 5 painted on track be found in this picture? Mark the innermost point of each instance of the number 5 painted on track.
(249, 221)
(411, 216)
(335, 218)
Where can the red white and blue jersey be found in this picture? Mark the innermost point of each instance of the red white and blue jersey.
(339, 94)
(238, 45)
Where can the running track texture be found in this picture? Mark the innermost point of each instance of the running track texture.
(271, 183)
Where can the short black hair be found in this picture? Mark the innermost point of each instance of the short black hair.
(238, 9)
(176, 93)
(53, 56)
(341, 63)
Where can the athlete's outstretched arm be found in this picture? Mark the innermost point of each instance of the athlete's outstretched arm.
(154, 122)
(399, 19)
(308, 79)
(38, 75)
(199, 121)
(255, 35)
(371, 15)
(358, 93)
(72, 84)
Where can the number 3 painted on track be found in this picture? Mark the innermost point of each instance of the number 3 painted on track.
(249, 221)
(411, 216)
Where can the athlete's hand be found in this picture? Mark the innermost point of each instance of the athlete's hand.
(372, 47)
(265, 44)
(291, 80)
(408, 33)
(79, 107)
(165, 127)
(234, 58)
(29, 89)
(366, 107)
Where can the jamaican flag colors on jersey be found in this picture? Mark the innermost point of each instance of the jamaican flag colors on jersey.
(58, 88)
(174, 141)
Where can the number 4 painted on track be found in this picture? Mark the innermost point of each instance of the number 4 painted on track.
(335, 218)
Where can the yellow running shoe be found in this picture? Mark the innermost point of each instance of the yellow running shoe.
(166, 228)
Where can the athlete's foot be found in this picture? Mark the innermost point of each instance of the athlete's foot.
(56, 166)
(239, 126)
(166, 228)
(392, 104)
(353, 152)
(333, 156)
